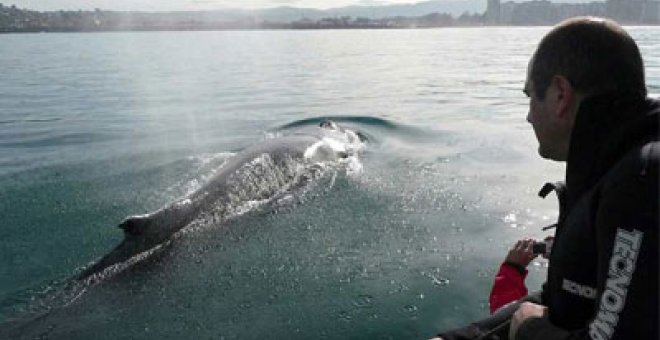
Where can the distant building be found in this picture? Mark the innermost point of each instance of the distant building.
(537, 12)
(634, 11)
(625, 10)
(544, 12)
(493, 11)
(651, 12)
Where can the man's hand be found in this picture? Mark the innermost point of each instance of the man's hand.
(522, 253)
(525, 311)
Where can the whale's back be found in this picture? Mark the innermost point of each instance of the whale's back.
(260, 172)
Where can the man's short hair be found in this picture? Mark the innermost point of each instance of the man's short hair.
(596, 56)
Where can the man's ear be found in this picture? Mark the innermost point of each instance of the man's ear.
(564, 96)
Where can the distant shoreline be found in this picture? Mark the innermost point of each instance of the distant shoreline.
(497, 14)
(28, 31)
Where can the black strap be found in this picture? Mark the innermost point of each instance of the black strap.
(547, 189)
(560, 189)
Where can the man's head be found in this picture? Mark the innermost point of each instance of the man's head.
(579, 58)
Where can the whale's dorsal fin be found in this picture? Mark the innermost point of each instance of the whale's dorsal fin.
(135, 225)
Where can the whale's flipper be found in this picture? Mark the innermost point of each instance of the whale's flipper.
(135, 225)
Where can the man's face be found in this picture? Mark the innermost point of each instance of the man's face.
(551, 130)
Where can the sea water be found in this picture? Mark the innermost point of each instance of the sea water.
(95, 127)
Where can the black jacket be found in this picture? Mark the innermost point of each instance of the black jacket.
(603, 271)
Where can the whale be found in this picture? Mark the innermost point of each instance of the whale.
(261, 172)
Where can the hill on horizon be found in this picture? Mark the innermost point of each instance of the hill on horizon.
(290, 13)
(453, 7)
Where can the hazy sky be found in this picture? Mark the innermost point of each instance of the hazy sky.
(174, 5)
(167, 5)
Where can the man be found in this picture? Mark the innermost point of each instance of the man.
(588, 108)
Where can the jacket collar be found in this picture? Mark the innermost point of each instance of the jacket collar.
(605, 128)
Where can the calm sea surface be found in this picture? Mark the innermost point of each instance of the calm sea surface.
(96, 127)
